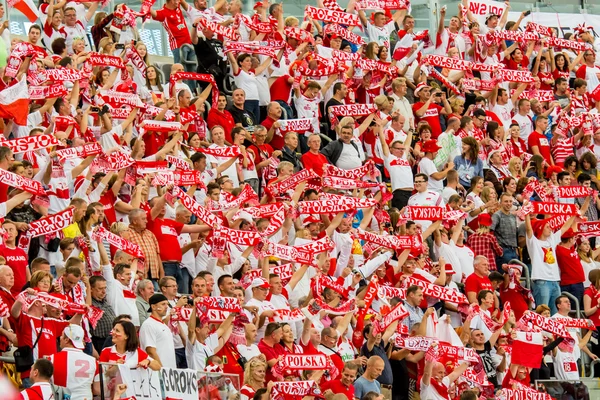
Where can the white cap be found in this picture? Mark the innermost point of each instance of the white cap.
(76, 334)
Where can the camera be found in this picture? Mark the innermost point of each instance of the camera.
(95, 109)
(190, 301)
(119, 46)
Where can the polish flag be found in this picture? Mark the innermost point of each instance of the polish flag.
(14, 102)
(528, 349)
(27, 8)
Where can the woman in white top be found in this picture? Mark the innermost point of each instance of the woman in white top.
(153, 84)
(588, 259)
(475, 197)
(245, 78)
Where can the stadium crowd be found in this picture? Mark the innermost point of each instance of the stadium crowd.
(371, 213)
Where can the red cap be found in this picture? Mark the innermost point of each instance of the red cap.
(538, 226)
(334, 36)
(485, 219)
(258, 4)
(311, 219)
(570, 233)
(552, 169)
(449, 269)
(430, 146)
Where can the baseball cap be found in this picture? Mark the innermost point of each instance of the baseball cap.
(75, 333)
(260, 282)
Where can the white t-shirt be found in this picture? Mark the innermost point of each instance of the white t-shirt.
(262, 307)
(565, 366)
(451, 257)
(466, 257)
(504, 112)
(154, 333)
(381, 36)
(543, 257)
(426, 166)
(247, 81)
(248, 351)
(400, 171)
(525, 125)
(198, 353)
(430, 393)
(349, 158)
(309, 108)
(231, 172)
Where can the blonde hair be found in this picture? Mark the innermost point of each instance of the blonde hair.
(250, 366)
(513, 164)
(486, 192)
(291, 21)
(77, 40)
(343, 122)
(284, 164)
(380, 100)
(118, 227)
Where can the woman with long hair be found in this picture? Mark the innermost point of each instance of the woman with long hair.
(41, 281)
(571, 165)
(424, 135)
(518, 147)
(536, 167)
(562, 68)
(153, 83)
(458, 107)
(515, 166)
(255, 371)
(509, 186)
(245, 78)
(126, 348)
(371, 51)
(474, 197)
(588, 259)
(468, 165)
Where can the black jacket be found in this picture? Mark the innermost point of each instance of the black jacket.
(333, 150)
(291, 156)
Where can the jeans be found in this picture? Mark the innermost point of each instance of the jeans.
(576, 289)
(88, 349)
(26, 383)
(183, 287)
(509, 253)
(172, 269)
(252, 106)
(545, 292)
(187, 57)
(254, 183)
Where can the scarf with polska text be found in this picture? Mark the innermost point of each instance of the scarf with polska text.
(370, 295)
(286, 315)
(540, 29)
(195, 76)
(391, 242)
(294, 389)
(228, 304)
(284, 271)
(118, 99)
(356, 173)
(567, 44)
(323, 69)
(547, 324)
(261, 211)
(347, 184)
(512, 75)
(47, 92)
(246, 195)
(301, 125)
(161, 126)
(589, 229)
(104, 60)
(457, 64)
(437, 291)
(275, 222)
(572, 191)
(445, 82)
(20, 182)
(120, 243)
(225, 152)
(16, 57)
(344, 33)
(581, 323)
(414, 343)
(218, 29)
(253, 48)
(257, 26)
(336, 17)
(288, 253)
(397, 313)
(131, 54)
(535, 186)
(382, 4)
(522, 393)
(552, 208)
(84, 151)
(188, 202)
(478, 84)
(178, 163)
(373, 65)
(333, 206)
(342, 309)
(150, 167)
(29, 143)
(301, 35)
(275, 189)
(350, 110)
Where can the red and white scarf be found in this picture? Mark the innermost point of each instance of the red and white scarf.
(194, 76)
(29, 143)
(120, 243)
(47, 92)
(20, 182)
(336, 17)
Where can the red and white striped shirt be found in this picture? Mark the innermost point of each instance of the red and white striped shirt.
(39, 391)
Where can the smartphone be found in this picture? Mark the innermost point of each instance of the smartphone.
(95, 109)
(120, 46)
(527, 12)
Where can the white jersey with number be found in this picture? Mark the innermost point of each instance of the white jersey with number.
(76, 371)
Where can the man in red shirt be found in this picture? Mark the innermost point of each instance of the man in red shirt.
(174, 23)
(271, 123)
(262, 151)
(270, 347)
(313, 159)
(220, 116)
(343, 385)
(167, 232)
(538, 142)
(478, 280)
(427, 108)
(572, 274)
(15, 257)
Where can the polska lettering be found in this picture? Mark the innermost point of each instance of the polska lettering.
(344, 33)
(301, 361)
(20, 182)
(554, 208)
(425, 213)
(30, 143)
(337, 17)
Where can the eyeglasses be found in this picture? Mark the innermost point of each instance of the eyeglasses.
(398, 148)
(420, 181)
(170, 286)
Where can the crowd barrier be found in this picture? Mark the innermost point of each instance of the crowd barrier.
(184, 384)
(583, 389)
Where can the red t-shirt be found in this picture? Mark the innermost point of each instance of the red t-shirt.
(16, 259)
(336, 387)
(431, 116)
(518, 302)
(281, 89)
(277, 141)
(541, 141)
(109, 354)
(571, 270)
(26, 336)
(261, 153)
(475, 283)
(166, 232)
(595, 317)
(108, 200)
(225, 119)
(270, 353)
(154, 141)
(174, 24)
(314, 161)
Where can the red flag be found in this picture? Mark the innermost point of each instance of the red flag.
(527, 349)
(14, 103)
(27, 8)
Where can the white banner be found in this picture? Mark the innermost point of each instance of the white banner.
(181, 384)
(562, 22)
(143, 384)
